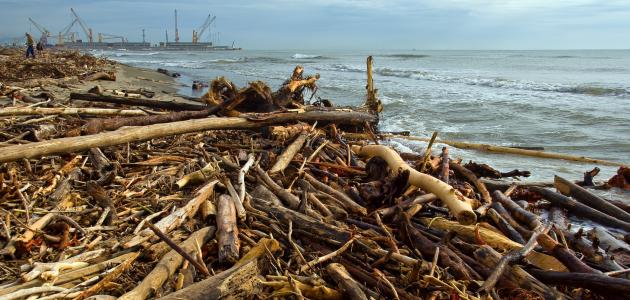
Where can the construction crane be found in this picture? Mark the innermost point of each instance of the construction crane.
(45, 32)
(65, 32)
(105, 36)
(176, 30)
(86, 30)
(200, 31)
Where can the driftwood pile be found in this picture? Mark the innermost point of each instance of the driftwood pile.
(50, 65)
(194, 204)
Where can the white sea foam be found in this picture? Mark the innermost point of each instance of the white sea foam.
(494, 82)
(305, 56)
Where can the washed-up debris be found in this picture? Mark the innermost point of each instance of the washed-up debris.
(256, 194)
(52, 65)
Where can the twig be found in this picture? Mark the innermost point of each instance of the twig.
(177, 248)
(295, 247)
(238, 201)
(26, 206)
(241, 176)
(427, 153)
(435, 260)
(511, 257)
(382, 277)
(390, 237)
(71, 222)
(327, 256)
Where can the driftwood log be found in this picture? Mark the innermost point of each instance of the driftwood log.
(227, 230)
(582, 195)
(136, 134)
(240, 281)
(459, 205)
(167, 266)
(490, 258)
(515, 151)
(177, 106)
(343, 278)
(580, 209)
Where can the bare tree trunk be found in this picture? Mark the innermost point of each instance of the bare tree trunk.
(137, 134)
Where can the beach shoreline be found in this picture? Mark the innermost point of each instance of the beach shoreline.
(166, 88)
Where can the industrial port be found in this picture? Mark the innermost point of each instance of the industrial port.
(66, 38)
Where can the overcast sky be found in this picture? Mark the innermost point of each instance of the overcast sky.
(347, 24)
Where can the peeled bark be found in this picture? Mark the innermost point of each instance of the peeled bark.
(459, 205)
(227, 230)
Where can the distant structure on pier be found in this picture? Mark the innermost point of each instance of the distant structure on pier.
(66, 38)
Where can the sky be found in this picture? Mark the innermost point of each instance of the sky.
(345, 24)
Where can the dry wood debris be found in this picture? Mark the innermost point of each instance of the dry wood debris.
(276, 205)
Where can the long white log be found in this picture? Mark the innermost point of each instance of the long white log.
(27, 111)
(458, 204)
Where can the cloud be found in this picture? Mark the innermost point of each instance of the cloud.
(356, 24)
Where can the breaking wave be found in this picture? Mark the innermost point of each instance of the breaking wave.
(184, 64)
(584, 89)
(119, 54)
(407, 56)
(306, 56)
(227, 60)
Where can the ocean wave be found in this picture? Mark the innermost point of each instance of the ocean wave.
(595, 90)
(119, 54)
(267, 59)
(184, 64)
(407, 56)
(307, 56)
(493, 82)
(560, 56)
(227, 60)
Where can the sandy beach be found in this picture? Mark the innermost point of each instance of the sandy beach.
(127, 78)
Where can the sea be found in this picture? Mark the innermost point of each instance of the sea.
(575, 101)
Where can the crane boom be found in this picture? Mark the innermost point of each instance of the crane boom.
(86, 30)
(45, 32)
(205, 25)
(176, 29)
(39, 27)
(66, 29)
